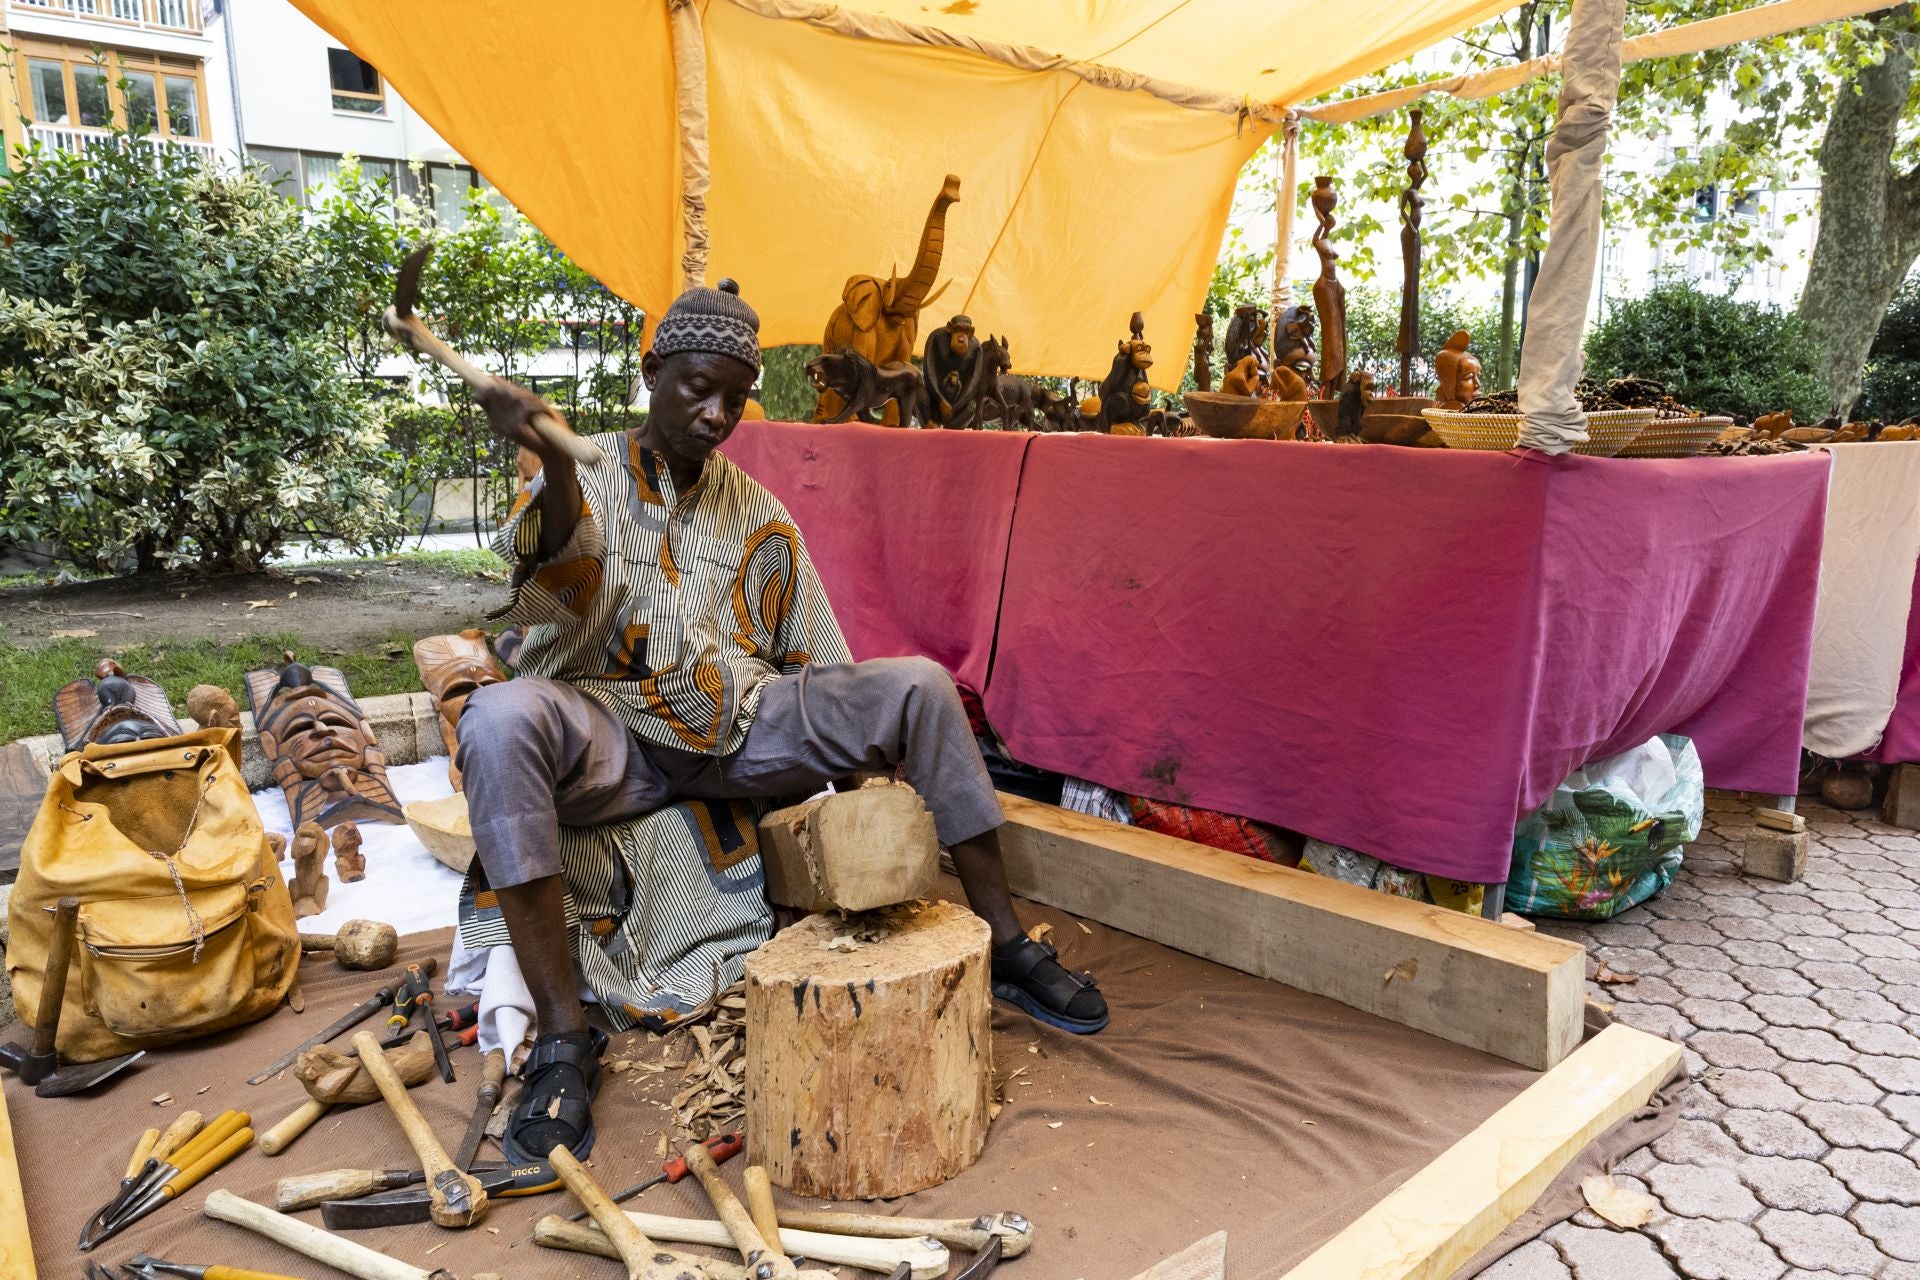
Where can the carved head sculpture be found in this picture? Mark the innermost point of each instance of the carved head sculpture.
(111, 708)
(1295, 347)
(1247, 331)
(960, 334)
(1457, 371)
(323, 751)
(837, 371)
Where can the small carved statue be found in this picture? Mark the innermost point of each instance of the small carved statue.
(1203, 351)
(1247, 336)
(881, 318)
(451, 668)
(958, 375)
(309, 886)
(1124, 392)
(1355, 400)
(113, 707)
(859, 388)
(348, 862)
(1458, 372)
(1294, 348)
(1056, 411)
(1329, 295)
(213, 707)
(322, 750)
(1242, 378)
(1009, 400)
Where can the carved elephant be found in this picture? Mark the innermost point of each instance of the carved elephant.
(879, 318)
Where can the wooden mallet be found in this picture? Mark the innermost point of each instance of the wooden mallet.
(313, 1242)
(643, 1259)
(970, 1234)
(357, 944)
(555, 1232)
(763, 1258)
(457, 1198)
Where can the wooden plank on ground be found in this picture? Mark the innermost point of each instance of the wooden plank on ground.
(1201, 1260)
(16, 1246)
(23, 784)
(1515, 995)
(1450, 1210)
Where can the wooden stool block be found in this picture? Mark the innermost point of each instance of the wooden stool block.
(1902, 805)
(1775, 855)
(850, 851)
(870, 1051)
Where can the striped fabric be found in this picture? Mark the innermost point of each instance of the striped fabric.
(671, 610)
(659, 908)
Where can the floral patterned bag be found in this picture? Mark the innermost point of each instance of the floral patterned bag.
(1611, 836)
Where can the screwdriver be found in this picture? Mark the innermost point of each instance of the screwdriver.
(721, 1146)
(417, 994)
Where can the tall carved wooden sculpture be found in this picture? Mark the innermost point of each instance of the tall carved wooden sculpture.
(1329, 295)
(1412, 204)
(1203, 351)
(112, 707)
(322, 749)
(452, 667)
(1125, 395)
(880, 318)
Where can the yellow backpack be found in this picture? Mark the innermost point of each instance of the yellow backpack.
(185, 924)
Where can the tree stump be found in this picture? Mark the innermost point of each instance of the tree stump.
(869, 1051)
(850, 851)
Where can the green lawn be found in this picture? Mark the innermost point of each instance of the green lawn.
(29, 677)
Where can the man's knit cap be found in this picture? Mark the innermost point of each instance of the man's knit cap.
(710, 320)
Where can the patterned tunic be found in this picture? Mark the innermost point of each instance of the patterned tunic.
(670, 609)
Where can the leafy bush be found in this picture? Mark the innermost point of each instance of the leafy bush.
(1713, 352)
(165, 398)
(785, 393)
(1891, 390)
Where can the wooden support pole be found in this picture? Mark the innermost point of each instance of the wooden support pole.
(1515, 995)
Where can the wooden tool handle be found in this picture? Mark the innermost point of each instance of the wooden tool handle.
(411, 331)
(298, 1121)
(177, 1134)
(971, 1234)
(727, 1207)
(636, 1251)
(224, 1125)
(235, 1143)
(304, 1238)
(141, 1150)
(760, 1204)
(450, 1207)
(53, 982)
(555, 1232)
(308, 1190)
(236, 1273)
(318, 941)
(924, 1257)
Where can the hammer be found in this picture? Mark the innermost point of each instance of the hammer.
(39, 1064)
(458, 1199)
(322, 1246)
(410, 332)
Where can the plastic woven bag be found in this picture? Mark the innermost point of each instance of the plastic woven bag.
(1611, 836)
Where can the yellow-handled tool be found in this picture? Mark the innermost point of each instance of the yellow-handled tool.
(151, 1268)
(161, 1180)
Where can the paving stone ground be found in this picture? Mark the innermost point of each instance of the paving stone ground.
(1798, 1154)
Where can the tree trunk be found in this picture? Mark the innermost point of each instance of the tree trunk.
(1869, 218)
(1507, 357)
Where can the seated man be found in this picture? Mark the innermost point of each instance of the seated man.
(679, 644)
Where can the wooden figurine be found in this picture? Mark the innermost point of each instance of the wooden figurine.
(1294, 347)
(349, 863)
(1458, 372)
(321, 748)
(1242, 378)
(1125, 393)
(452, 668)
(958, 375)
(1329, 295)
(1247, 337)
(213, 707)
(860, 389)
(1057, 412)
(880, 319)
(1010, 401)
(112, 707)
(309, 883)
(1412, 204)
(1203, 351)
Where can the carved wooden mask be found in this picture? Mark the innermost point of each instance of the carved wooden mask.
(322, 749)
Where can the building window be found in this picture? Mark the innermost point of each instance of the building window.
(449, 189)
(68, 87)
(356, 85)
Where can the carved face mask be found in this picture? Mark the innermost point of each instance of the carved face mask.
(112, 708)
(323, 753)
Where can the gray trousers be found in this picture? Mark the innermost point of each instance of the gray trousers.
(538, 753)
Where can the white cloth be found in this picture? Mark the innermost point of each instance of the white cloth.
(1866, 592)
(506, 1006)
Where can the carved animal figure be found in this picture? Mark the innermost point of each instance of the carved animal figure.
(958, 375)
(1124, 392)
(860, 389)
(880, 318)
(213, 707)
(1247, 336)
(1294, 348)
(1203, 351)
(1008, 400)
(322, 750)
(1057, 413)
(309, 886)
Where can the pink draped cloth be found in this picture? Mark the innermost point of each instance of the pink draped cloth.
(1900, 744)
(1400, 650)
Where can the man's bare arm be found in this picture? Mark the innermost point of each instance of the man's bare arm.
(510, 411)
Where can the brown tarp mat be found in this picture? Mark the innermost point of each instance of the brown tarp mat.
(1223, 1101)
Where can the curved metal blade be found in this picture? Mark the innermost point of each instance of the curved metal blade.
(407, 288)
(85, 1075)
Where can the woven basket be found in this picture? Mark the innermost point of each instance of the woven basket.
(1608, 432)
(1676, 437)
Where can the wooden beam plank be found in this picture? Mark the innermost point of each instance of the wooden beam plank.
(1201, 1260)
(1450, 1210)
(16, 1246)
(1512, 994)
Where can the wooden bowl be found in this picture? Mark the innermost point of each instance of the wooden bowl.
(443, 828)
(1238, 418)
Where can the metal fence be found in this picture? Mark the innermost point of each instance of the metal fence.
(158, 15)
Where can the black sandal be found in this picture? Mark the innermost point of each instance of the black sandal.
(1030, 975)
(560, 1077)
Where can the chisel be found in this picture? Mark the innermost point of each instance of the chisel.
(352, 1018)
(493, 1075)
(721, 1146)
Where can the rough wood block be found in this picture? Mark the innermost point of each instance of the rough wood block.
(1515, 995)
(1447, 1212)
(850, 851)
(1774, 855)
(870, 1051)
(1779, 820)
(1902, 807)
